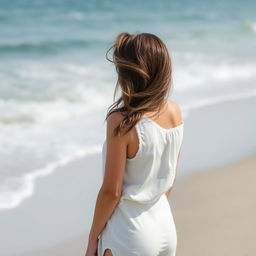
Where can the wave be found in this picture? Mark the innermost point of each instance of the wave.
(199, 74)
(13, 112)
(48, 46)
(11, 199)
(62, 103)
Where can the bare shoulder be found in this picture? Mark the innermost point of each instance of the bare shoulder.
(113, 120)
(175, 110)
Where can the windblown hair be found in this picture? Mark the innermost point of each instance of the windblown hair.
(144, 71)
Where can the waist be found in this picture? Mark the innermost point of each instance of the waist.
(140, 200)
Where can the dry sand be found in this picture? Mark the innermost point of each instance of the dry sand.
(214, 212)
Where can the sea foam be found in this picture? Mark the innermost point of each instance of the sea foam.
(11, 198)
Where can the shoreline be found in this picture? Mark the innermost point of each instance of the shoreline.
(206, 224)
(229, 124)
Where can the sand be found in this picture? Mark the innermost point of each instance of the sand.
(214, 212)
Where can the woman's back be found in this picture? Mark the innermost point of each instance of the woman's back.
(151, 172)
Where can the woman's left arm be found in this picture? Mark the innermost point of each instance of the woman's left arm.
(111, 189)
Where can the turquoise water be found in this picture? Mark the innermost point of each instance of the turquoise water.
(55, 84)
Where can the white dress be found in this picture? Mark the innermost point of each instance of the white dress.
(142, 223)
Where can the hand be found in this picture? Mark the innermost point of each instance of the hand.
(92, 248)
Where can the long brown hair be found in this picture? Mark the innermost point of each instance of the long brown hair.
(144, 71)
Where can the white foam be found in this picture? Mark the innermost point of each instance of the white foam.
(12, 111)
(11, 199)
(202, 73)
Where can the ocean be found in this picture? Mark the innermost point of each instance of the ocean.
(56, 85)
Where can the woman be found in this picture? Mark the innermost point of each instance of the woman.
(143, 138)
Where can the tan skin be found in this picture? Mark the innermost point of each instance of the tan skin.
(117, 150)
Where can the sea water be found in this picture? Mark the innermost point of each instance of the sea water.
(56, 85)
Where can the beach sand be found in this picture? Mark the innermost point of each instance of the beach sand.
(214, 212)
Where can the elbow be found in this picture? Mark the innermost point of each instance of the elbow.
(111, 194)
